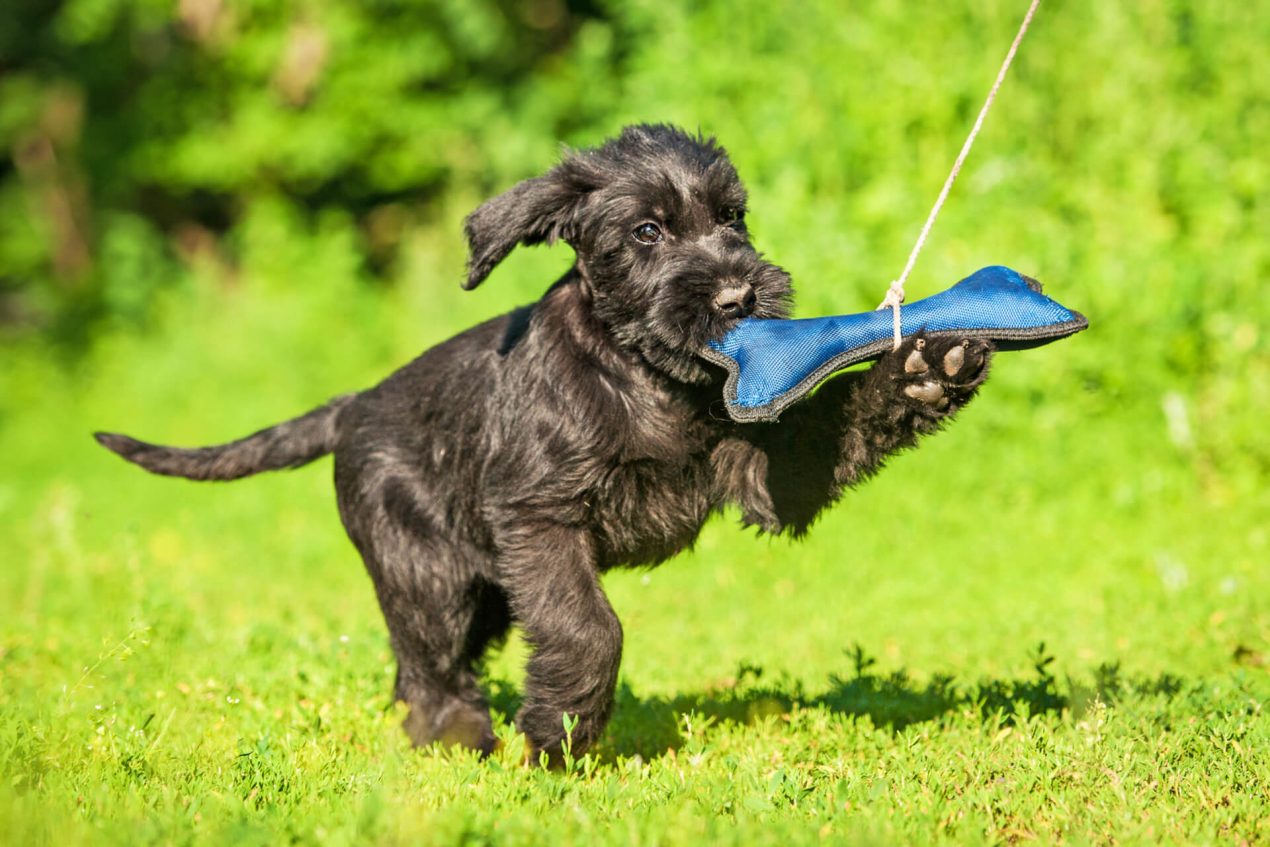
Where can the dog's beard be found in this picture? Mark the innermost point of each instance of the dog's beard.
(670, 320)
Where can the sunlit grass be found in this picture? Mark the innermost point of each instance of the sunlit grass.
(207, 662)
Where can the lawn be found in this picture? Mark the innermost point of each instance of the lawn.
(1051, 622)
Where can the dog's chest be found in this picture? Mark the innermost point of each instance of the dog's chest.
(649, 511)
(649, 507)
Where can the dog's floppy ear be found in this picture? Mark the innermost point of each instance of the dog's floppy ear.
(537, 210)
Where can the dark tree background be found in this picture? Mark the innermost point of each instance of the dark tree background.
(136, 134)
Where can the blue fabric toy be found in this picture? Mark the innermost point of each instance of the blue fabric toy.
(774, 363)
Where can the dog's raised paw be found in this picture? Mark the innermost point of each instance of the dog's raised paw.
(938, 372)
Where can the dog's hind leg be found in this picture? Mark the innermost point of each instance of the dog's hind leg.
(438, 646)
(441, 614)
(439, 627)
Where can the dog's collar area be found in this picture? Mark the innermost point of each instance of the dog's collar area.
(774, 363)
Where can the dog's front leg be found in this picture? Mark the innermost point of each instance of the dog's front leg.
(550, 576)
(844, 432)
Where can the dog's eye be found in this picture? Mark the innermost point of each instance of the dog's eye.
(731, 215)
(647, 233)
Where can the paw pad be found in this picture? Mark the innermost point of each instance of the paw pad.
(954, 359)
(927, 392)
(915, 364)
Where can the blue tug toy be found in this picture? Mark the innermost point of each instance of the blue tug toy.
(772, 363)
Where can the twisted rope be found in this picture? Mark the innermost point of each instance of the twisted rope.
(895, 294)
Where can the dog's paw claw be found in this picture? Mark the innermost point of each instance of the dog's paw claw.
(954, 359)
(929, 393)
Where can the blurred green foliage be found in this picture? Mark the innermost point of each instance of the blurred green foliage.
(142, 135)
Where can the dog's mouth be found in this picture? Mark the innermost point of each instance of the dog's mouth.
(768, 296)
(716, 327)
(673, 319)
(707, 309)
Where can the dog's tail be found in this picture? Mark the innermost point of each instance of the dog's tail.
(288, 445)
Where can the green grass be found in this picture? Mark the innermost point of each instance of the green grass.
(1051, 622)
(206, 663)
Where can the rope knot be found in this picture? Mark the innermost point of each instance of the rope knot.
(894, 297)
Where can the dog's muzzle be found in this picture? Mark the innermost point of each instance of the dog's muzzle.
(735, 300)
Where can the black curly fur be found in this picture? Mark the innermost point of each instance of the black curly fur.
(493, 479)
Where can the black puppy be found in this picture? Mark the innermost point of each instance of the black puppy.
(495, 478)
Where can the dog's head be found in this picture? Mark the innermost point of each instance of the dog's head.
(657, 218)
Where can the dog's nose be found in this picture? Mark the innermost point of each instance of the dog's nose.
(736, 300)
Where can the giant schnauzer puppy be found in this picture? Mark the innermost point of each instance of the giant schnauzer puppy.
(494, 479)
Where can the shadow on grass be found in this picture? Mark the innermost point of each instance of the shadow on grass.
(651, 726)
